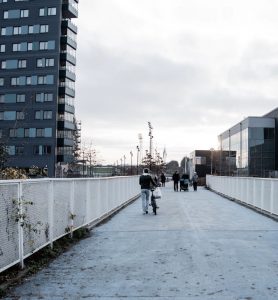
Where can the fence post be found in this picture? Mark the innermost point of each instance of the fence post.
(51, 212)
(87, 220)
(20, 225)
(272, 197)
(72, 207)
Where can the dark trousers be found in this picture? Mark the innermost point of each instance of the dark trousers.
(195, 186)
(176, 186)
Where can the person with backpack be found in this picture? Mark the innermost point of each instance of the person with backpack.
(146, 182)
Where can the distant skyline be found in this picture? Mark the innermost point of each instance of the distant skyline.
(192, 68)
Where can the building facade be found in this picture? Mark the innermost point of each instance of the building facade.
(253, 143)
(212, 161)
(37, 82)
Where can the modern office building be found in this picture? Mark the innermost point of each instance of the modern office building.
(253, 142)
(212, 161)
(37, 82)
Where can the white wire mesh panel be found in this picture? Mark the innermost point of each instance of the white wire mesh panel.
(266, 204)
(275, 196)
(61, 207)
(8, 225)
(35, 210)
(79, 207)
(94, 200)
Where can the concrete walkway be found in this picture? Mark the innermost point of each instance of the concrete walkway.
(198, 246)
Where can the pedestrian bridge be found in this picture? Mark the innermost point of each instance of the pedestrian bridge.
(200, 245)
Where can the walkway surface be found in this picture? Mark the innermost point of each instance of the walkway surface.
(200, 245)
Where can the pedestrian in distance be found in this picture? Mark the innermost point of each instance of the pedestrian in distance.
(146, 182)
(162, 179)
(195, 181)
(176, 179)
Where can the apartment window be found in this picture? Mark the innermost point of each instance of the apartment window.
(28, 80)
(40, 132)
(11, 150)
(3, 64)
(45, 62)
(1, 133)
(48, 132)
(47, 115)
(1, 81)
(22, 63)
(42, 12)
(38, 115)
(26, 132)
(44, 97)
(16, 13)
(17, 30)
(12, 133)
(19, 150)
(7, 115)
(44, 28)
(4, 1)
(43, 45)
(16, 47)
(2, 98)
(42, 149)
(20, 115)
(30, 46)
(2, 48)
(20, 98)
(51, 11)
(24, 13)
(31, 29)
(3, 31)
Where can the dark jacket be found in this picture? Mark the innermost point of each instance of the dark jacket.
(176, 177)
(145, 181)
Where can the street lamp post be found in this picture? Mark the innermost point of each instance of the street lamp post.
(151, 137)
(124, 164)
(131, 155)
(138, 150)
(211, 159)
(121, 166)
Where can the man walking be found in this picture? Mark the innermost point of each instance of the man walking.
(145, 181)
(176, 179)
(195, 181)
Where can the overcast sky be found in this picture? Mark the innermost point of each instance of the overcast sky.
(194, 68)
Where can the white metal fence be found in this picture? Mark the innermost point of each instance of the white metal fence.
(261, 193)
(34, 213)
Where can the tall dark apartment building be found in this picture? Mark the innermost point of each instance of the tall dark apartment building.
(37, 82)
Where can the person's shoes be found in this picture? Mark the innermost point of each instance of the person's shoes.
(146, 212)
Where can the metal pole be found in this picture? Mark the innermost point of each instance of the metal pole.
(131, 155)
(137, 159)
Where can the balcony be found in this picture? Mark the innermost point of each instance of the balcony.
(66, 108)
(65, 125)
(66, 23)
(66, 73)
(69, 9)
(65, 39)
(61, 142)
(66, 56)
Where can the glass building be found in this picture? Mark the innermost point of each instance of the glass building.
(37, 82)
(251, 143)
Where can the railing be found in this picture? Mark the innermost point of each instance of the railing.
(35, 213)
(260, 193)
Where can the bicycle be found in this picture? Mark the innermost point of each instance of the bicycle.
(153, 201)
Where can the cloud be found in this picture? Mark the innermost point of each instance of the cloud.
(192, 68)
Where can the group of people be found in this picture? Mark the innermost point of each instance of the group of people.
(147, 182)
(176, 179)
